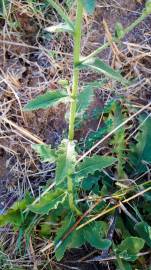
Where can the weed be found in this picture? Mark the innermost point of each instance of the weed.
(96, 177)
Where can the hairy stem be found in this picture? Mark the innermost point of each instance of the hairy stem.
(76, 55)
(77, 46)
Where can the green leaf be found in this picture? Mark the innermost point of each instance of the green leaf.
(92, 164)
(123, 265)
(141, 151)
(89, 5)
(91, 234)
(45, 152)
(86, 96)
(48, 202)
(67, 223)
(61, 27)
(14, 215)
(65, 161)
(144, 231)
(100, 66)
(45, 229)
(49, 99)
(91, 182)
(119, 30)
(93, 237)
(130, 247)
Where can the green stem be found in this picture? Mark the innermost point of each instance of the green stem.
(135, 23)
(76, 56)
(114, 39)
(77, 46)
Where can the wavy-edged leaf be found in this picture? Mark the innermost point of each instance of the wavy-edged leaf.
(89, 5)
(93, 237)
(91, 234)
(144, 231)
(86, 96)
(61, 27)
(100, 66)
(92, 164)
(49, 99)
(66, 159)
(130, 247)
(74, 240)
(49, 202)
(45, 152)
(65, 226)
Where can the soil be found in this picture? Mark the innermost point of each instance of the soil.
(26, 71)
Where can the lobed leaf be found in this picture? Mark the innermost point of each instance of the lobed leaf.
(45, 152)
(92, 164)
(49, 99)
(100, 66)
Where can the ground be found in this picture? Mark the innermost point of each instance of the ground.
(32, 61)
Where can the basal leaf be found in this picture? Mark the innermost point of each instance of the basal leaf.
(48, 202)
(100, 66)
(14, 215)
(91, 234)
(144, 231)
(89, 5)
(65, 161)
(45, 152)
(62, 27)
(49, 99)
(93, 237)
(85, 97)
(130, 247)
(74, 240)
(92, 164)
